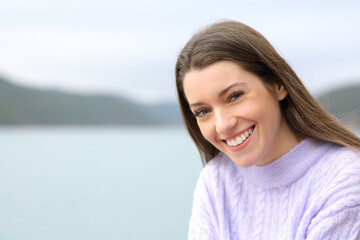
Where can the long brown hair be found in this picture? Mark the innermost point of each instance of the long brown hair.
(237, 42)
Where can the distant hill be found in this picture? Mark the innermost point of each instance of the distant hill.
(28, 106)
(344, 104)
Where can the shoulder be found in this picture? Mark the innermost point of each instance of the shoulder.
(334, 202)
(345, 153)
(217, 176)
(339, 162)
(336, 179)
(219, 168)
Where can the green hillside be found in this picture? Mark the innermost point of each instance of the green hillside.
(344, 104)
(27, 106)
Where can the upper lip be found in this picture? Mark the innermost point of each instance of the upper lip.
(237, 134)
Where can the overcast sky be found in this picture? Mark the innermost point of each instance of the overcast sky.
(130, 47)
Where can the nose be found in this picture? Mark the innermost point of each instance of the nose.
(224, 121)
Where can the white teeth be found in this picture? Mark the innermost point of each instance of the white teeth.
(243, 137)
(231, 143)
(239, 139)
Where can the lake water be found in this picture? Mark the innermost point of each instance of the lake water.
(106, 183)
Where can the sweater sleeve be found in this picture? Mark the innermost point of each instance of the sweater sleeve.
(343, 224)
(202, 222)
(337, 214)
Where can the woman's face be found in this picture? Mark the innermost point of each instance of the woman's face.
(237, 114)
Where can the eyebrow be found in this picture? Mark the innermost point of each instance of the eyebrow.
(225, 90)
(221, 93)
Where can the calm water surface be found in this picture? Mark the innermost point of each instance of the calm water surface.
(121, 183)
(96, 183)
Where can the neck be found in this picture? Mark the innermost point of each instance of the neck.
(285, 141)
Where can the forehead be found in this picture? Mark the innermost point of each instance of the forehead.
(214, 78)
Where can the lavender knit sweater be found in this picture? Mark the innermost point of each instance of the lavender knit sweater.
(312, 192)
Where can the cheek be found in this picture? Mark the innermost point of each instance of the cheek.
(270, 115)
(207, 131)
(265, 111)
(252, 109)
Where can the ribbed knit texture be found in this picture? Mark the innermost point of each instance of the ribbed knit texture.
(312, 192)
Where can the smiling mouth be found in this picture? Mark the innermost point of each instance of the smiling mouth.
(240, 138)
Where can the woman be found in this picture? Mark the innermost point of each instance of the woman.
(277, 165)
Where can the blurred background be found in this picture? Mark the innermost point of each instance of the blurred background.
(92, 144)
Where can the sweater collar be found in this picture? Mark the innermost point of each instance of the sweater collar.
(288, 168)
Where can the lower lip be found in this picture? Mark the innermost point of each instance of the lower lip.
(242, 145)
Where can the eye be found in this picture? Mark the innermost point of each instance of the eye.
(235, 96)
(202, 112)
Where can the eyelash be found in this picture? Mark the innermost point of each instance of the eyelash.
(198, 112)
(235, 95)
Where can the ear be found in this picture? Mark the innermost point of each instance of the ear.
(281, 92)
